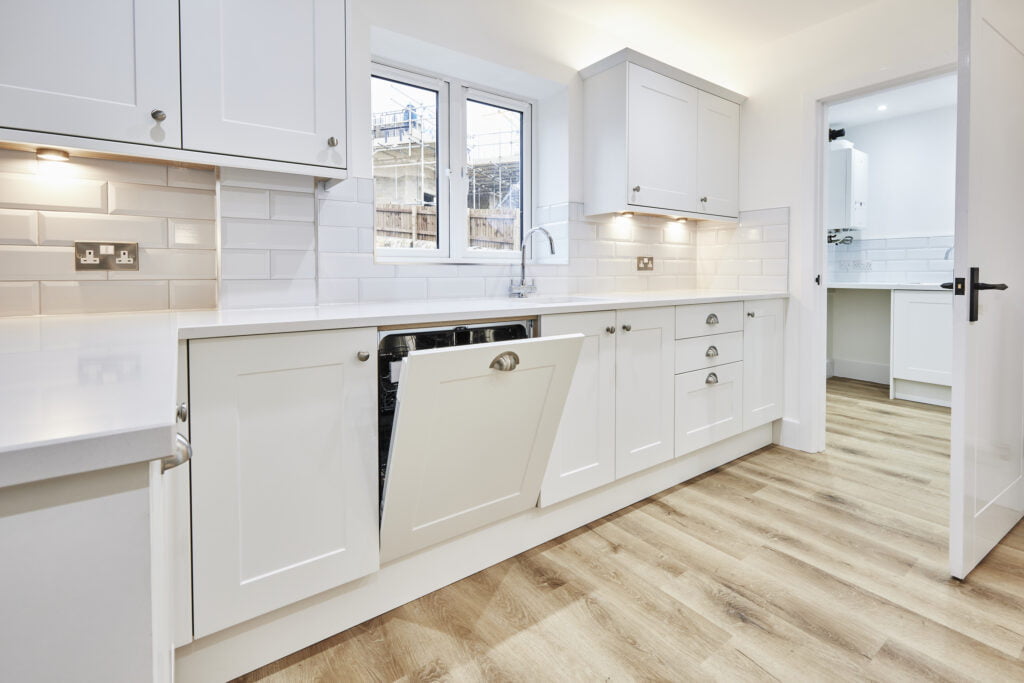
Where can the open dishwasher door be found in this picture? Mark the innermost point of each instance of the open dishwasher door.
(472, 435)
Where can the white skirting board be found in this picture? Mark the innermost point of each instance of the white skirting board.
(862, 370)
(240, 649)
(922, 392)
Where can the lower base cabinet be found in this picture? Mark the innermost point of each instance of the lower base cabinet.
(709, 406)
(763, 338)
(284, 470)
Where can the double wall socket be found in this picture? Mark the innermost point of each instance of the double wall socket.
(645, 263)
(106, 255)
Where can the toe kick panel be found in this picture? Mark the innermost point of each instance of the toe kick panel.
(473, 433)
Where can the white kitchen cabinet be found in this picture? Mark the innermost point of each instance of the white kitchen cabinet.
(658, 140)
(284, 470)
(922, 346)
(847, 205)
(709, 406)
(718, 155)
(265, 79)
(473, 432)
(763, 337)
(91, 69)
(644, 371)
(583, 457)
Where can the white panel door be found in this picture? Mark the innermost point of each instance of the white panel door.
(644, 372)
(763, 337)
(718, 155)
(284, 470)
(91, 69)
(922, 336)
(709, 406)
(987, 457)
(662, 142)
(471, 442)
(583, 456)
(265, 78)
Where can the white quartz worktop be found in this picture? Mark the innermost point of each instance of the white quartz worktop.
(919, 286)
(86, 392)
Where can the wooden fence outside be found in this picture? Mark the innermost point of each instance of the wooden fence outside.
(488, 228)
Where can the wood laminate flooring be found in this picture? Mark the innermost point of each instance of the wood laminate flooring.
(779, 566)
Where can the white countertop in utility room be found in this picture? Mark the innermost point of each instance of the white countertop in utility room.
(86, 392)
(917, 286)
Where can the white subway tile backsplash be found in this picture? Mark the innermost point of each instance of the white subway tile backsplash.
(295, 265)
(183, 233)
(775, 267)
(38, 263)
(763, 250)
(265, 180)
(106, 169)
(392, 289)
(338, 239)
(334, 265)
(763, 283)
(291, 206)
(193, 294)
(19, 298)
(152, 200)
(346, 214)
(241, 202)
(197, 178)
(18, 226)
(251, 234)
(619, 228)
(339, 290)
(776, 233)
(245, 264)
(19, 191)
(167, 264)
(366, 240)
(103, 296)
(64, 228)
(267, 293)
(455, 287)
(345, 191)
(364, 190)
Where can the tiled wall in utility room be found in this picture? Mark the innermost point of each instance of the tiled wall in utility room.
(46, 206)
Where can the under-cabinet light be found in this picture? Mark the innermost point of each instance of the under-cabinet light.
(46, 154)
(626, 214)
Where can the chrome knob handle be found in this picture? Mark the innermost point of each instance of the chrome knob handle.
(627, 328)
(610, 329)
(750, 314)
(712, 378)
(703, 200)
(182, 412)
(363, 356)
(712, 352)
(158, 114)
(332, 141)
(712, 319)
(505, 362)
(636, 188)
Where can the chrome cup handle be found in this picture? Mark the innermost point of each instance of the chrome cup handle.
(712, 352)
(712, 378)
(712, 319)
(505, 362)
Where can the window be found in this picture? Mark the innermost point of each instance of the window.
(451, 169)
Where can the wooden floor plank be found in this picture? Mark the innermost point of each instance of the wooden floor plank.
(779, 566)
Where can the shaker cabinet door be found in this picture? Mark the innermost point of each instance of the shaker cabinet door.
(284, 470)
(265, 79)
(105, 70)
(763, 335)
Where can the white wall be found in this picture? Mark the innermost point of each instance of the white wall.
(911, 174)
(885, 42)
(858, 330)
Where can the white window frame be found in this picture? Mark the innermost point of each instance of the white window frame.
(441, 87)
(453, 183)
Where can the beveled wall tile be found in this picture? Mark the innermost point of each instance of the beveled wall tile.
(63, 228)
(42, 263)
(40, 193)
(183, 233)
(193, 294)
(18, 226)
(150, 200)
(19, 298)
(103, 296)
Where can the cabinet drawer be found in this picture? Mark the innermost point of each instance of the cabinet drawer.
(698, 320)
(709, 406)
(707, 352)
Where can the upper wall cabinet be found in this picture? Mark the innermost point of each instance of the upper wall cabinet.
(222, 82)
(265, 79)
(658, 140)
(105, 70)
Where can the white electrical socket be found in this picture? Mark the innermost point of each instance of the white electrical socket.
(89, 259)
(124, 259)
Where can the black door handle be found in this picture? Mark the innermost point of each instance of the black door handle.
(976, 287)
(946, 285)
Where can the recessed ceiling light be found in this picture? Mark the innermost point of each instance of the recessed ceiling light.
(883, 107)
(46, 154)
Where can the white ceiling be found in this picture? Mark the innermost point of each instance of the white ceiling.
(908, 99)
(732, 24)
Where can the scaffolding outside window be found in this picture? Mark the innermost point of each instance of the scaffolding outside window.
(470, 209)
